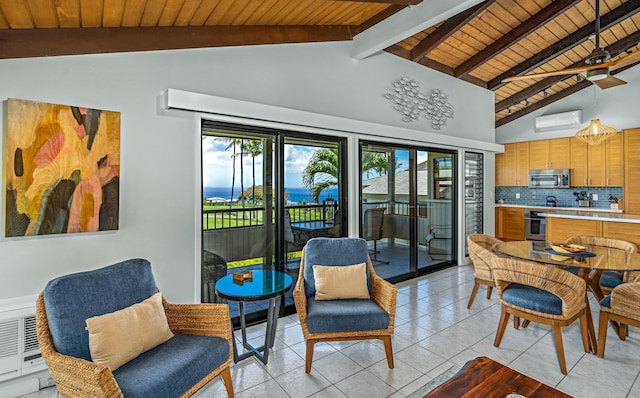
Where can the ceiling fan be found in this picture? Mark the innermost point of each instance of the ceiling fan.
(599, 64)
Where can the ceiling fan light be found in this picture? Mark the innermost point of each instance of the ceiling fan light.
(597, 74)
(595, 133)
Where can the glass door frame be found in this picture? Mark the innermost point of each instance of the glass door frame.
(273, 173)
(413, 269)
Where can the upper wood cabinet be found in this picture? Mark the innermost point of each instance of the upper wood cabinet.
(550, 154)
(631, 194)
(597, 165)
(512, 166)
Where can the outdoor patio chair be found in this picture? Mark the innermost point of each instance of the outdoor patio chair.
(540, 293)
(109, 333)
(339, 297)
(481, 254)
(372, 229)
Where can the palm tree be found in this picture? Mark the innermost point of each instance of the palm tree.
(254, 149)
(321, 172)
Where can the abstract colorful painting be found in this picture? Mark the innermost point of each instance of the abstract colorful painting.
(62, 169)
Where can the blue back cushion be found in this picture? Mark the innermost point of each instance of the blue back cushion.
(71, 299)
(332, 251)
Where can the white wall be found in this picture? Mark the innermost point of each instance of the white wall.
(616, 107)
(159, 200)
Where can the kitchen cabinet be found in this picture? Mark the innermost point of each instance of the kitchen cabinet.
(560, 229)
(625, 231)
(550, 154)
(631, 193)
(597, 165)
(512, 166)
(510, 223)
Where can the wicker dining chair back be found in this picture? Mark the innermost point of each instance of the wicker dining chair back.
(540, 293)
(623, 306)
(481, 254)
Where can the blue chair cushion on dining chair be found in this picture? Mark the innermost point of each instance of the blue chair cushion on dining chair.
(345, 316)
(606, 302)
(173, 367)
(333, 252)
(611, 279)
(71, 299)
(532, 298)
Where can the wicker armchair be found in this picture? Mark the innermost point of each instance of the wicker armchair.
(623, 305)
(543, 294)
(607, 279)
(61, 328)
(481, 255)
(345, 319)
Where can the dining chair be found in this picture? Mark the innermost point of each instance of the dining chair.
(623, 306)
(608, 279)
(372, 229)
(339, 297)
(481, 254)
(543, 294)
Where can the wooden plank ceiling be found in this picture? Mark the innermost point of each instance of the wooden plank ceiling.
(483, 45)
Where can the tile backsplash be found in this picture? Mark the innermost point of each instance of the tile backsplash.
(565, 197)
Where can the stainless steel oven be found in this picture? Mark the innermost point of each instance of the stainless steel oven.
(535, 225)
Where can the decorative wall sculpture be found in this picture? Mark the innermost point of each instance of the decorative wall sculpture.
(62, 169)
(411, 103)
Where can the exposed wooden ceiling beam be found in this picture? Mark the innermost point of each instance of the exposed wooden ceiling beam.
(615, 48)
(613, 17)
(400, 2)
(389, 11)
(532, 24)
(446, 29)
(553, 98)
(23, 43)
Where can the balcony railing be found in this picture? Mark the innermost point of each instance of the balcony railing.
(253, 216)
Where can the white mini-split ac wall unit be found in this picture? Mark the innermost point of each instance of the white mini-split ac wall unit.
(558, 121)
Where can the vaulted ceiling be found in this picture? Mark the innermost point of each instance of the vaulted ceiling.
(482, 42)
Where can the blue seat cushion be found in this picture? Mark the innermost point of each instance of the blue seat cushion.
(345, 316)
(71, 299)
(173, 367)
(532, 298)
(332, 251)
(611, 279)
(606, 302)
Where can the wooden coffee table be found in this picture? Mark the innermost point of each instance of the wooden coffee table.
(484, 377)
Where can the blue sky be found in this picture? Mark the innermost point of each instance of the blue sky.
(217, 170)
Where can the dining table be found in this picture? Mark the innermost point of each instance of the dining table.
(589, 264)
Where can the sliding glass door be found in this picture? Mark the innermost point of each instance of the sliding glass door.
(266, 192)
(407, 200)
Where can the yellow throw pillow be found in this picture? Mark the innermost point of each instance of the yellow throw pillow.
(341, 282)
(120, 336)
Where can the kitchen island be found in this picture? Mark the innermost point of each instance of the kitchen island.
(562, 225)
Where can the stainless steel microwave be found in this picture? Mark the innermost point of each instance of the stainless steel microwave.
(553, 178)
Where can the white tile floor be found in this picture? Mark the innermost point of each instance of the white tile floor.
(434, 331)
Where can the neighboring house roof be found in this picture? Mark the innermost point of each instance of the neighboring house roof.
(379, 185)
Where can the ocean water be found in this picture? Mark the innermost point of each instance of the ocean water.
(296, 195)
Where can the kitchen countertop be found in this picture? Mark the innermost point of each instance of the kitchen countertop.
(563, 209)
(626, 218)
